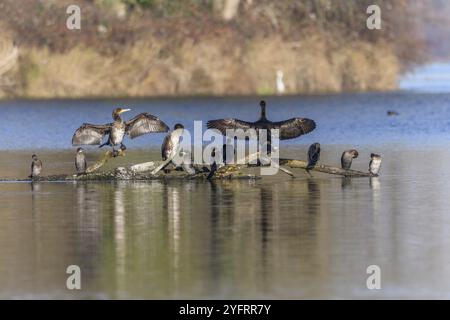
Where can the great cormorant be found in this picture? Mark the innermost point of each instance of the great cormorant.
(80, 161)
(171, 141)
(375, 163)
(36, 167)
(92, 134)
(347, 158)
(288, 129)
(313, 155)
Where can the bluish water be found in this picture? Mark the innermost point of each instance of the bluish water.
(277, 237)
(431, 78)
(353, 119)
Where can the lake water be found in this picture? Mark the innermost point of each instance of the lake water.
(277, 237)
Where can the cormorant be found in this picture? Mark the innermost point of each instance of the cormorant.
(375, 163)
(313, 155)
(92, 134)
(288, 129)
(213, 165)
(392, 113)
(347, 158)
(171, 141)
(80, 161)
(36, 167)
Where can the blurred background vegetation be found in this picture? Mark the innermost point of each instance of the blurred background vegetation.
(213, 47)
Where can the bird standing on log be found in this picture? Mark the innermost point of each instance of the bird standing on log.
(375, 163)
(92, 134)
(347, 158)
(36, 167)
(80, 161)
(172, 141)
(288, 129)
(313, 155)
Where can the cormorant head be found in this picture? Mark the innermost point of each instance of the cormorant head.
(80, 150)
(375, 156)
(316, 146)
(262, 104)
(178, 126)
(116, 113)
(354, 153)
(34, 157)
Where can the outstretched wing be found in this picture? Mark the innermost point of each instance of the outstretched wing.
(90, 134)
(223, 124)
(295, 127)
(144, 123)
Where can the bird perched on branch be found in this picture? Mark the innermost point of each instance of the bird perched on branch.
(375, 163)
(36, 167)
(313, 155)
(347, 158)
(288, 129)
(93, 134)
(80, 161)
(171, 142)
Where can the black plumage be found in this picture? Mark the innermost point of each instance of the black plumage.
(288, 129)
(313, 155)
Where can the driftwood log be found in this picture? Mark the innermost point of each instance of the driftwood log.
(151, 171)
(300, 164)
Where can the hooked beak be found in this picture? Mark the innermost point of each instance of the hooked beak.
(124, 110)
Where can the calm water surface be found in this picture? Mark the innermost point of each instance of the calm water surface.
(277, 237)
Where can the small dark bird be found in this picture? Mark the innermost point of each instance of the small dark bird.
(213, 165)
(36, 167)
(171, 141)
(347, 158)
(392, 113)
(313, 155)
(375, 163)
(80, 161)
(288, 129)
(92, 134)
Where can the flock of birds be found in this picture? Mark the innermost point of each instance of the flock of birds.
(144, 123)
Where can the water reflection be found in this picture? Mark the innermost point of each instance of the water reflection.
(309, 237)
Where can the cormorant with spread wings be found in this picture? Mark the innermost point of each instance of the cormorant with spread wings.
(92, 134)
(288, 129)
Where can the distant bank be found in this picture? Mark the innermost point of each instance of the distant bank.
(292, 47)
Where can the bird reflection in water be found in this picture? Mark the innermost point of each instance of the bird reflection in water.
(346, 182)
(313, 202)
(172, 205)
(119, 234)
(375, 186)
